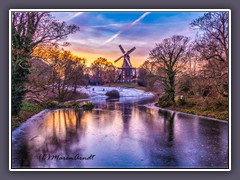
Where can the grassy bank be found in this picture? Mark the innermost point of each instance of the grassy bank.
(28, 109)
(215, 108)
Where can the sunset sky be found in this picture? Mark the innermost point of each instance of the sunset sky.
(101, 32)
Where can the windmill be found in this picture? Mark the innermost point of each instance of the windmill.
(127, 72)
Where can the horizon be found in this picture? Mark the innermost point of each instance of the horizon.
(102, 32)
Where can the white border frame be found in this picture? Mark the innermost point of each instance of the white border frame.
(118, 10)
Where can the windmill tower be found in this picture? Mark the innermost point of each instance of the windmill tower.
(127, 72)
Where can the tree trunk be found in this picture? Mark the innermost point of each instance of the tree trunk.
(171, 88)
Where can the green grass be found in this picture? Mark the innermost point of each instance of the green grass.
(28, 109)
(214, 108)
(215, 113)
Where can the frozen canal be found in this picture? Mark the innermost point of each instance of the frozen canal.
(119, 134)
(98, 92)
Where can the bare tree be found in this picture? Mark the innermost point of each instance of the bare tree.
(172, 54)
(78, 72)
(212, 44)
(150, 75)
(37, 89)
(30, 29)
(67, 72)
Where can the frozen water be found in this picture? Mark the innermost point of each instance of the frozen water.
(100, 91)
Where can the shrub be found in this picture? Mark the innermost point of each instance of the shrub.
(182, 101)
(52, 104)
(75, 105)
(113, 94)
(88, 106)
(164, 102)
(141, 83)
(30, 107)
(221, 104)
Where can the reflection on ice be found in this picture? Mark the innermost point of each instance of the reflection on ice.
(120, 133)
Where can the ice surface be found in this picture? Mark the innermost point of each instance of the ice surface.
(100, 91)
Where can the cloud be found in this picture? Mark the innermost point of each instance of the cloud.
(108, 25)
(101, 33)
(125, 28)
(72, 16)
(141, 17)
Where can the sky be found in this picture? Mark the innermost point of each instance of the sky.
(101, 32)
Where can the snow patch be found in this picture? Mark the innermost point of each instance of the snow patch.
(100, 91)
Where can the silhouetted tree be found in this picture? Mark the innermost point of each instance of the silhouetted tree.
(30, 29)
(172, 53)
(212, 43)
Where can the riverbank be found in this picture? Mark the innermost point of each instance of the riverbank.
(154, 106)
(207, 112)
(212, 108)
(28, 110)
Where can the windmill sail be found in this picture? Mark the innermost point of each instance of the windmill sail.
(118, 59)
(131, 50)
(122, 49)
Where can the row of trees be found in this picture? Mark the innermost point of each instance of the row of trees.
(198, 68)
(54, 71)
(58, 72)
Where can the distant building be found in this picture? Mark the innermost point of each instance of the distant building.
(127, 73)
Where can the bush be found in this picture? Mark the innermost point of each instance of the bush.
(164, 102)
(221, 104)
(75, 105)
(88, 106)
(30, 107)
(182, 101)
(141, 83)
(52, 104)
(113, 94)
